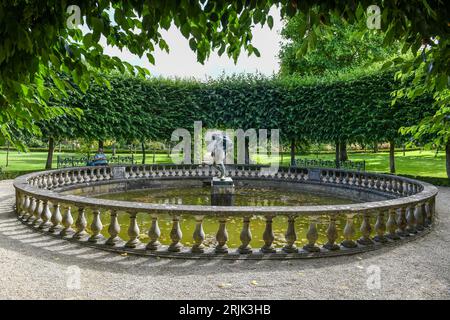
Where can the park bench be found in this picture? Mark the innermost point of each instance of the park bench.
(74, 161)
(320, 163)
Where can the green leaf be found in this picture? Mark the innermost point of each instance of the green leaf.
(97, 24)
(150, 58)
(270, 22)
(193, 44)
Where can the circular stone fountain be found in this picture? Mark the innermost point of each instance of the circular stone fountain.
(176, 211)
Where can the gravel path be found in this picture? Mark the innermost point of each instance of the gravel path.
(34, 266)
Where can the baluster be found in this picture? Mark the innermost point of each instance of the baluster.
(40, 182)
(222, 236)
(418, 214)
(67, 180)
(332, 235)
(79, 176)
(402, 223)
(67, 221)
(365, 230)
(48, 181)
(389, 185)
(411, 220)
(26, 208)
(384, 185)
(395, 185)
(400, 187)
(349, 233)
(54, 178)
(61, 179)
(391, 225)
(80, 224)
(347, 178)
(377, 183)
(290, 236)
(107, 174)
(20, 203)
(175, 235)
(86, 176)
(133, 232)
(245, 237)
(99, 174)
(366, 181)
(73, 177)
(46, 214)
(54, 181)
(113, 230)
(37, 212)
(92, 175)
(380, 228)
(154, 233)
(198, 236)
(31, 209)
(372, 182)
(96, 227)
(56, 218)
(312, 235)
(353, 179)
(268, 237)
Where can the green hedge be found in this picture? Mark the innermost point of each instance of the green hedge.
(351, 110)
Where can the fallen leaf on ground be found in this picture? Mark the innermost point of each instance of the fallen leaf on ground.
(254, 282)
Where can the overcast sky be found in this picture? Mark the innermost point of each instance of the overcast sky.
(182, 62)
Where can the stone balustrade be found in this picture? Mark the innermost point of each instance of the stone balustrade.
(406, 211)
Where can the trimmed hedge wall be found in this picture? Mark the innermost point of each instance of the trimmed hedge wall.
(357, 110)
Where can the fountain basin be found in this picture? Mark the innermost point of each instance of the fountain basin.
(388, 210)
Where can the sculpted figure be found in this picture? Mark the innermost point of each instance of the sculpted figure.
(219, 147)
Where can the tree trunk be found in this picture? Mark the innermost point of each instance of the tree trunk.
(447, 158)
(375, 147)
(337, 154)
(343, 151)
(7, 153)
(391, 157)
(114, 149)
(100, 144)
(247, 152)
(292, 152)
(143, 152)
(51, 149)
(281, 153)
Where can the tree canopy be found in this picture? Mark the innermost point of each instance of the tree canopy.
(342, 49)
(38, 43)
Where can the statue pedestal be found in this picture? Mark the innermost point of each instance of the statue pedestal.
(222, 192)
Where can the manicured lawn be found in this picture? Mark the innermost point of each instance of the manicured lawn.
(415, 163)
(36, 160)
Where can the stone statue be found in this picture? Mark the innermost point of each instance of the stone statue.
(219, 152)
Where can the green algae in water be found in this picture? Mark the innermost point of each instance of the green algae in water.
(244, 196)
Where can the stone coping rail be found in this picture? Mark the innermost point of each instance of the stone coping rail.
(407, 212)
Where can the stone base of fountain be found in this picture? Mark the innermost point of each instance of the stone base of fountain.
(222, 191)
